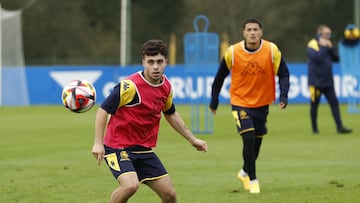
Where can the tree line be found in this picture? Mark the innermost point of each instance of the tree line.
(87, 32)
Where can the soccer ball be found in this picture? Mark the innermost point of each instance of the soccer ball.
(79, 96)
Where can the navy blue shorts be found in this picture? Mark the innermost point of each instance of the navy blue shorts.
(137, 159)
(251, 119)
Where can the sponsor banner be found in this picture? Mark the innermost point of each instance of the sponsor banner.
(189, 86)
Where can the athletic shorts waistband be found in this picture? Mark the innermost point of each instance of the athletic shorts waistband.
(135, 148)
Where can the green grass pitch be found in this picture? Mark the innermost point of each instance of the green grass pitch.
(45, 156)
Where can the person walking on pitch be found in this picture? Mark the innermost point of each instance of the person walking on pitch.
(254, 63)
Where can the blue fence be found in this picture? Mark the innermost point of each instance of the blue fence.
(44, 84)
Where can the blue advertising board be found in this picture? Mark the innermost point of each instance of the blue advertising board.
(44, 84)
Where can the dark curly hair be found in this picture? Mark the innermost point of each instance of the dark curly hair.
(154, 47)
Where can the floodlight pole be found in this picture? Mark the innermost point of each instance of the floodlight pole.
(357, 12)
(0, 56)
(125, 32)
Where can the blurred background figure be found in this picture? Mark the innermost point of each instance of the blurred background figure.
(321, 54)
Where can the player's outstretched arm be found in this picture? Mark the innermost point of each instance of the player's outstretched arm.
(178, 124)
(100, 123)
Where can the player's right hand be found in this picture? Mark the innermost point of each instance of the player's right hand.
(213, 111)
(200, 145)
(98, 151)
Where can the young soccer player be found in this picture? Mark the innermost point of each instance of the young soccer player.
(135, 105)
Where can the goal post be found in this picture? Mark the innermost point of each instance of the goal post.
(0, 55)
(13, 86)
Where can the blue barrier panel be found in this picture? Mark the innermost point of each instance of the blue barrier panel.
(201, 47)
(44, 89)
(201, 56)
(45, 83)
(350, 66)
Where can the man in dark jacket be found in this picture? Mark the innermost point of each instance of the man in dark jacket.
(321, 54)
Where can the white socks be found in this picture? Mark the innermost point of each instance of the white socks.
(243, 173)
(253, 181)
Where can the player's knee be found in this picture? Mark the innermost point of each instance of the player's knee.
(124, 192)
(248, 138)
(130, 188)
(169, 195)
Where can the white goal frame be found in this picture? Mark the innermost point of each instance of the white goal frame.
(0, 57)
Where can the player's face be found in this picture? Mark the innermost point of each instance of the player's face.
(326, 33)
(154, 67)
(252, 34)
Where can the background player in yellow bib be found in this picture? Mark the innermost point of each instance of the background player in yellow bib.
(253, 63)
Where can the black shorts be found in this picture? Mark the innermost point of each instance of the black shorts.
(137, 159)
(250, 119)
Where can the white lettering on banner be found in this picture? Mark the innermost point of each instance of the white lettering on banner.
(178, 87)
(344, 86)
(190, 92)
(337, 84)
(298, 86)
(200, 87)
(305, 92)
(209, 82)
(350, 86)
(185, 87)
